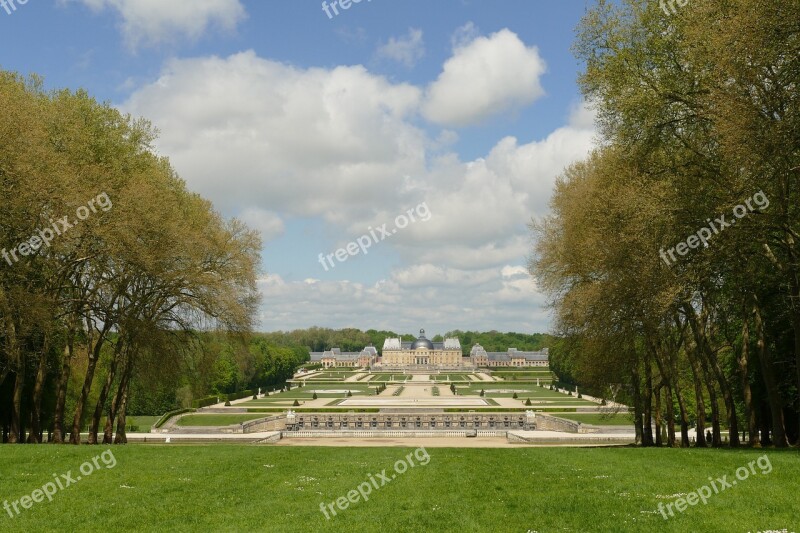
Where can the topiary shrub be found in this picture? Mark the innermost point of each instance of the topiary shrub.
(314, 397)
(580, 395)
(349, 394)
(483, 392)
(603, 401)
(227, 403)
(296, 404)
(569, 393)
(255, 396)
(515, 396)
(528, 402)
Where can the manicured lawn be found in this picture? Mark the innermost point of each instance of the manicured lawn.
(306, 392)
(217, 420)
(619, 419)
(263, 488)
(143, 423)
(450, 377)
(392, 377)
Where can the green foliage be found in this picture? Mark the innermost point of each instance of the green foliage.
(205, 402)
(295, 403)
(495, 341)
(239, 395)
(167, 416)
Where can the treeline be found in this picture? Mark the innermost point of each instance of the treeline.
(353, 340)
(108, 266)
(672, 257)
(495, 341)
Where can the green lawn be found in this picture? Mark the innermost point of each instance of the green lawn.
(263, 488)
(392, 377)
(143, 423)
(450, 377)
(620, 419)
(217, 420)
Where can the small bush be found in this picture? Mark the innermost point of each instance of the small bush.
(528, 402)
(483, 392)
(603, 401)
(227, 403)
(580, 395)
(349, 394)
(314, 397)
(296, 404)
(515, 396)
(255, 396)
(569, 393)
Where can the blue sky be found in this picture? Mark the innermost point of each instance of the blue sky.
(314, 129)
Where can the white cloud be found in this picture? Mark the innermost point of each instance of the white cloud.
(153, 22)
(406, 50)
(271, 142)
(408, 300)
(465, 35)
(267, 223)
(312, 142)
(488, 76)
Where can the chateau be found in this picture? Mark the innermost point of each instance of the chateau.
(423, 354)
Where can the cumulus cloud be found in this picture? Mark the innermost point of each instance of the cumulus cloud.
(310, 142)
(487, 76)
(271, 142)
(407, 300)
(406, 50)
(154, 22)
(267, 223)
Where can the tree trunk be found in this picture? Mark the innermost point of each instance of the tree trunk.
(637, 403)
(101, 401)
(796, 326)
(670, 416)
(61, 390)
(698, 394)
(94, 357)
(647, 404)
(716, 441)
(657, 391)
(770, 381)
(744, 377)
(38, 390)
(121, 437)
(116, 402)
(16, 433)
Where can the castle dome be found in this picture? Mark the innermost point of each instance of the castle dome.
(422, 342)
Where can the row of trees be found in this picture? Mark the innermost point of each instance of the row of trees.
(496, 341)
(698, 114)
(116, 291)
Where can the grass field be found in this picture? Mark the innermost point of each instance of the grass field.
(392, 377)
(216, 420)
(620, 419)
(450, 377)
(258, 488)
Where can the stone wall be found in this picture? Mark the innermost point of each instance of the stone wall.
(408, 420)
